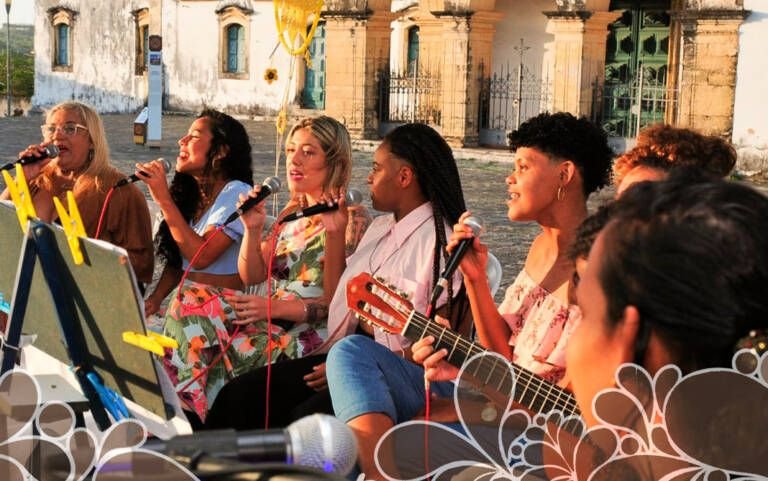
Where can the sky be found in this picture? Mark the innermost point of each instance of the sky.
(21, 11)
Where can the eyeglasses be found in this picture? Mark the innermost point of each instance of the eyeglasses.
(69, 129)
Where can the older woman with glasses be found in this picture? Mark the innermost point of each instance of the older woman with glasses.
(83, 167)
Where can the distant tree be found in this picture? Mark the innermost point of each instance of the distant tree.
(22, 61)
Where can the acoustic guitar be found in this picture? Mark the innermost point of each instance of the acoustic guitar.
(381, 306)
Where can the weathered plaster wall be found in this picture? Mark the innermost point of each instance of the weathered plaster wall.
(192, 62)
(102, 57)
(750, 119)
(522, 19)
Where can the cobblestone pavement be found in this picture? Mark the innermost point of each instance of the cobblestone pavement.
(482, 179)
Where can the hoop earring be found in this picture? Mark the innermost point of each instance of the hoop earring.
(560, 193)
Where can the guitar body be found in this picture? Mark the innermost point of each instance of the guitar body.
(375, 303)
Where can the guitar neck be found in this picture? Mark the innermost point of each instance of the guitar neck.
(531, 391)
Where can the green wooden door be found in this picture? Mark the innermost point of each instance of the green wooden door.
(313, 95)
(637, 52)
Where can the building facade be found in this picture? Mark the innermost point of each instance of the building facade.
(474, 69)
(214, 53)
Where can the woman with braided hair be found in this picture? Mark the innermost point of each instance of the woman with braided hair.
(415, 181)
(415, 178)
(559, 161)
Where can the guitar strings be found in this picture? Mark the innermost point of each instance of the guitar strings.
(555, 396)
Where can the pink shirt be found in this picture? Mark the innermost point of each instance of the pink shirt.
(541, 325)
(400, 252)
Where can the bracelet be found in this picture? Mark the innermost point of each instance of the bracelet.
(306, 309)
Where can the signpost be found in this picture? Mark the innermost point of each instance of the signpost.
(155, 101)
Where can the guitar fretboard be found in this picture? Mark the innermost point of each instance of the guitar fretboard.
(531, 391)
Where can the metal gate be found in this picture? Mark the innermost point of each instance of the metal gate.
(410, 97)
(635, 91)
(509, 97)
(623, 109)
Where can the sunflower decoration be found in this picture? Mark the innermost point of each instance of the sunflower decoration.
(282, 121)
(270, 75)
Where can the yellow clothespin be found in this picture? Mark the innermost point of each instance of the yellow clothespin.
(72, 225)
(20, 196)
(152, 342)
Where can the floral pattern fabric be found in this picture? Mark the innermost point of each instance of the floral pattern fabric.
(297, 273)
(541, 325)
(212, 350)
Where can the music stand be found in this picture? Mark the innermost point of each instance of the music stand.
(92, 304)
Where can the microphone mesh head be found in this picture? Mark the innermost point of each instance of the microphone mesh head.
(52, 151)
(353, 197)
(166, 164)
(272, 183)
(475, 224)
(324, 442)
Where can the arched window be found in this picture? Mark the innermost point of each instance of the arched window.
(235, 49)
(234, 28)
(62, 31)
(141, 18)
(62, 44)
(413, 49)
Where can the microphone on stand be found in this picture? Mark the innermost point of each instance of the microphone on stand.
(271, 185)
(353, 197)
(318, 441)
(454, 260)
(50, 150)
(135, 178)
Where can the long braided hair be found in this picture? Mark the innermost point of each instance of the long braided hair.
(438, 176)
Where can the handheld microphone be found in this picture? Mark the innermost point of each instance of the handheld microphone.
(50, 151)
(454, 260)
(134, 178)
(319, 441)
(271, 185)
(353, 197)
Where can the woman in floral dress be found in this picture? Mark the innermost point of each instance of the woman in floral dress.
(213, 169)
(306, 257)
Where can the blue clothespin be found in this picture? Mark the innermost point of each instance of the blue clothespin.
(112, 401)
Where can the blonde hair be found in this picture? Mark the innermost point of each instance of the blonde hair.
(336, 144)
(98, 172)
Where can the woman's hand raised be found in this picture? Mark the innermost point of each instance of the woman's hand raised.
(335, 221)
(475, 259)
(254, 218)
(33, 169)
(153, 174)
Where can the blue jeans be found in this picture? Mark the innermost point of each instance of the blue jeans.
(366, 377)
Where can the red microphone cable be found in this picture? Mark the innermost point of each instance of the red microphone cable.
(276, 229)
(103, 212)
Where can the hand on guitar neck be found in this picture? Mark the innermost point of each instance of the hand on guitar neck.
(436, 368)
(381, 306)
